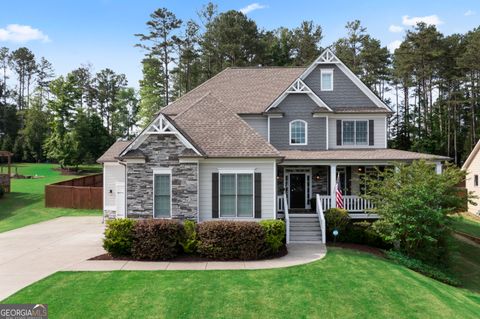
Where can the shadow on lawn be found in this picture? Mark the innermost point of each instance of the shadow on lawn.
(15, 200)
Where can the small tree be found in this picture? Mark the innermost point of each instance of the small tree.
(414, 204)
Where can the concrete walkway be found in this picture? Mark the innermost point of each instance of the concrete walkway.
(33, 252)
(298, 254)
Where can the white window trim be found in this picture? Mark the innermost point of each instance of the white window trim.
(290, 132)
(322, 72)
(236, 172)
(355, 132)
(162, 171)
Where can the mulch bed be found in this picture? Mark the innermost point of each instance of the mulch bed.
(468, 236)
(363, 248)
(73, 171)
(186, 258)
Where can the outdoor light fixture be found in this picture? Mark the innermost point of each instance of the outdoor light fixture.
(317, 177)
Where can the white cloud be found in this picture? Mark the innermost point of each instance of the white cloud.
(251, 7)
(395, 28)
(22, 34)
(394, 45)
(412, 21)
(469, 13)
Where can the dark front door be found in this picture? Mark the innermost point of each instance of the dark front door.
(297, 191)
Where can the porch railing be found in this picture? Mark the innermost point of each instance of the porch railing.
(354, 203)
(287, 217)
(321, 218)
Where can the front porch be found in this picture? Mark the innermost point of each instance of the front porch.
(302, 183)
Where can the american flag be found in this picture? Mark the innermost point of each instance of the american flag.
(338, 193)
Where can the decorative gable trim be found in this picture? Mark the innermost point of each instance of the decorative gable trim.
(161, 125)
(328, 57)
(298, 86)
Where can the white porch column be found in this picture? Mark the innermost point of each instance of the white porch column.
(438, 167)
(333, 181)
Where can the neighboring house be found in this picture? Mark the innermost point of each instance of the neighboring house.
(247, 140)
(472, 167)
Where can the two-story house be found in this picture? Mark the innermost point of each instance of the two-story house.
(256, 143)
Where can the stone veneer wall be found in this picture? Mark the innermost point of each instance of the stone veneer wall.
(162, 151)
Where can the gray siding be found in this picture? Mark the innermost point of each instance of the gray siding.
(379, 136)
(265, 167)
(258, 123)
(345, 93)
(298, 107)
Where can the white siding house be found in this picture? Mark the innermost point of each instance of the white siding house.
(472, 167)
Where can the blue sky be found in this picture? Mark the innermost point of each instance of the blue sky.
(100, 32)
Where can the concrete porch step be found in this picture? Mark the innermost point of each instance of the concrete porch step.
(305, 228)
(313, 233)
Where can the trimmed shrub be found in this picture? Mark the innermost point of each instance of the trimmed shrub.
(190, 242)
(274, 234)
(228, 240)
(157, 239)
(119, 237)
(336, 218)
(421, 267)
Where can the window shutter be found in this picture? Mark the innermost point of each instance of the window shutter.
(214, 195)
(339, 132)
(370, 133)
(258, 195)
(349, 180)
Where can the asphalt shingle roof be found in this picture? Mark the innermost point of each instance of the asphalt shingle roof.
(113, 151)
(385, 154)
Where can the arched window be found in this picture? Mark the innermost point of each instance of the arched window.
(298, 132)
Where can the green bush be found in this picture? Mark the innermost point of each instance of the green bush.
(274, 234)
(119, 237)
(336, 218)
(421, 267)
(414, 204)
(227, 240)
(157, 239)
(190, 242)
(362, 232)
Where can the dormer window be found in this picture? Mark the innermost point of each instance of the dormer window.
(326, 79)
(298, 132)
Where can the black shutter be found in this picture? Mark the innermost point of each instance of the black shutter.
(339, 132)
(258, 195)
(349, 180)
(214, 195)
(370, 133)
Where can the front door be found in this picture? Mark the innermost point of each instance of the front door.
(297, 191)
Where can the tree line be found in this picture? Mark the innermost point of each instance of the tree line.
(431, 82)
(69, 119)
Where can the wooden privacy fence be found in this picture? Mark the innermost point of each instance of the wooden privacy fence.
(84, 193)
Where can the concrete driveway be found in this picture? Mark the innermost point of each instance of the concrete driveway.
(31, 253)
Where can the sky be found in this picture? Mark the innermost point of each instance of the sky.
(101, 32)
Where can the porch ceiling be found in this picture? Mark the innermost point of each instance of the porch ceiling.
(360, 154)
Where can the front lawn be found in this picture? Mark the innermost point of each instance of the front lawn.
(346, 284)
(25, 204)
(467, 224)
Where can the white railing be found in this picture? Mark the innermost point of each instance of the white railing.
(326, 201)
(354, 203)
(321, 218)
(280, 203)
(287, 217)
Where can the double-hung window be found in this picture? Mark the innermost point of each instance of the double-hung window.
(355, 132)
(326, 79)
(236, 194)
(298, 132)
(162, 189)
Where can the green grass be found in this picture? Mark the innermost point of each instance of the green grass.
(25, 204)
(346, 284)
(466, 224)
(465, 263)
